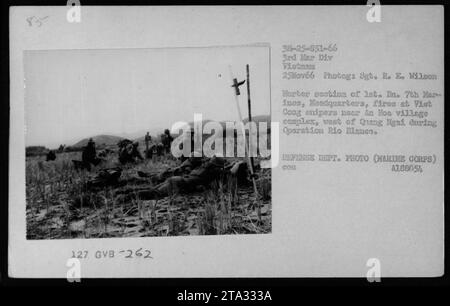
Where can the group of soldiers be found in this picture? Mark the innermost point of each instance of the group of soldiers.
(159, 148)
(193, 173)
(128, 151)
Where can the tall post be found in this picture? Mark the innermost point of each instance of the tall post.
(249, 115)
(147, 138)
(236, 85)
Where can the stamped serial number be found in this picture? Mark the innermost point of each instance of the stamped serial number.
(122, 253)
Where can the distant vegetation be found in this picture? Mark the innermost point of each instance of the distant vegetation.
(41, 150)
(36, 150)
(102, 141)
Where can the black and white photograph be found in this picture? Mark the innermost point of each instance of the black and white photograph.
(235, 142)
(102, 128)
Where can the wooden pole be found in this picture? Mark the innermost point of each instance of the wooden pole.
(255, 189)
(249, 114)
(146, 145)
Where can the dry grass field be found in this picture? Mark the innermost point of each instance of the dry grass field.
(59, 204)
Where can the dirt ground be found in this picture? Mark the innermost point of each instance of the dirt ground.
(60, 206)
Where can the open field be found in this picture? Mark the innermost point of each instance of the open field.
(61, 206)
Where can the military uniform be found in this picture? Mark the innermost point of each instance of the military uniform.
(105, 177)
(148, 149)
(129, 153)
(186, 166)
(193, 173)
(166, 140)
(89, 155)
(51, 156)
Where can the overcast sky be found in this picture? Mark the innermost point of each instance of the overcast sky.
(73, 94)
